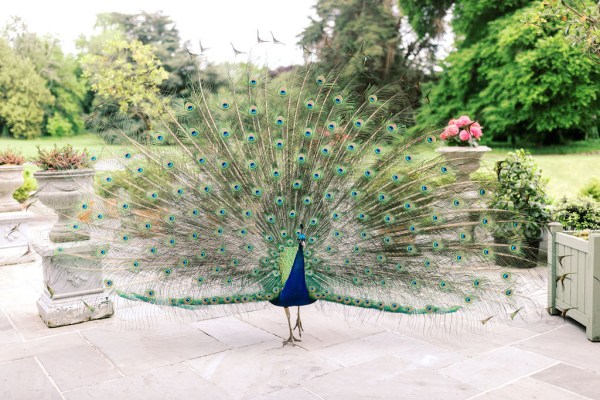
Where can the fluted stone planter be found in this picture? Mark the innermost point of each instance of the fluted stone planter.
(14, 222)
(11, 178)
(64, 192)
(466, 159)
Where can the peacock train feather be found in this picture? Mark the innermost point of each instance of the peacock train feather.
(291, 186)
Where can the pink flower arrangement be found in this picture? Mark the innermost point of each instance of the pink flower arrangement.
(462, 131)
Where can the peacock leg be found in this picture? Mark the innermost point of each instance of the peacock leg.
(291, 339)
(299, 323)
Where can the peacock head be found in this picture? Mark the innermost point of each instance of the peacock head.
(302, 236)
(302, 239)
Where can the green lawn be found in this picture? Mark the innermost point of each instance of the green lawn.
(28, 147)
(568, 173)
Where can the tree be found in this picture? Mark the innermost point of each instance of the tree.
(23, 95)
(372, 37)
(160, 32)
(469, 18)
(523, 83)
(64, 115)
(127, 75)
(579, 20)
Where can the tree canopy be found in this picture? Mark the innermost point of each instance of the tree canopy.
(160, 32)
(374, 39)
(23, 94)
(63, 105)
(526, 84)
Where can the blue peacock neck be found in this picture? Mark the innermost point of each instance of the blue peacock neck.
(295, 292)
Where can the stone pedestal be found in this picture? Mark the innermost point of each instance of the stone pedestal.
(74, 290)
(14, 238)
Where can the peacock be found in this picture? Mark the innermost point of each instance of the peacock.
(297, 185)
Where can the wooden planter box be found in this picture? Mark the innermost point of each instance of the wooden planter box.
(574, 284)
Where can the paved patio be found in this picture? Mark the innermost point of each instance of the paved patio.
(144, 352)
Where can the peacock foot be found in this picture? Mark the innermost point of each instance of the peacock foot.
(291, 340)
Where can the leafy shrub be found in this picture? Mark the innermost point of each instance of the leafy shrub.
(63, 158)
(522, 189)
(30, 185)
(577, 214)
(59, 126)
(10, 157)
(592, 189)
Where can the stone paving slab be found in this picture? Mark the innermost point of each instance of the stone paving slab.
(529, 388)
(574, 379)
(134, 351)
(8, 334)
(36, 347)
(25, 380)
(176, 381)
(250, 371)
(297, 393)
(566, 344)
(79, 366)
(233, 332)
(388, 377)
(497, 367)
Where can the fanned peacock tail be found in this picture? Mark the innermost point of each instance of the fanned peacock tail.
(216, 198)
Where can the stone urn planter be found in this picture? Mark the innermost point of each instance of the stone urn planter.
(64, 192)
(11, 178)
(466, 159)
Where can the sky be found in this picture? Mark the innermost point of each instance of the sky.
(215, 22)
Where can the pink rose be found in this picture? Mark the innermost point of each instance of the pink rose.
(464, 135)
(452, 130)
(444, 136)
(463, 120)
(476, 130)
(452, 122)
